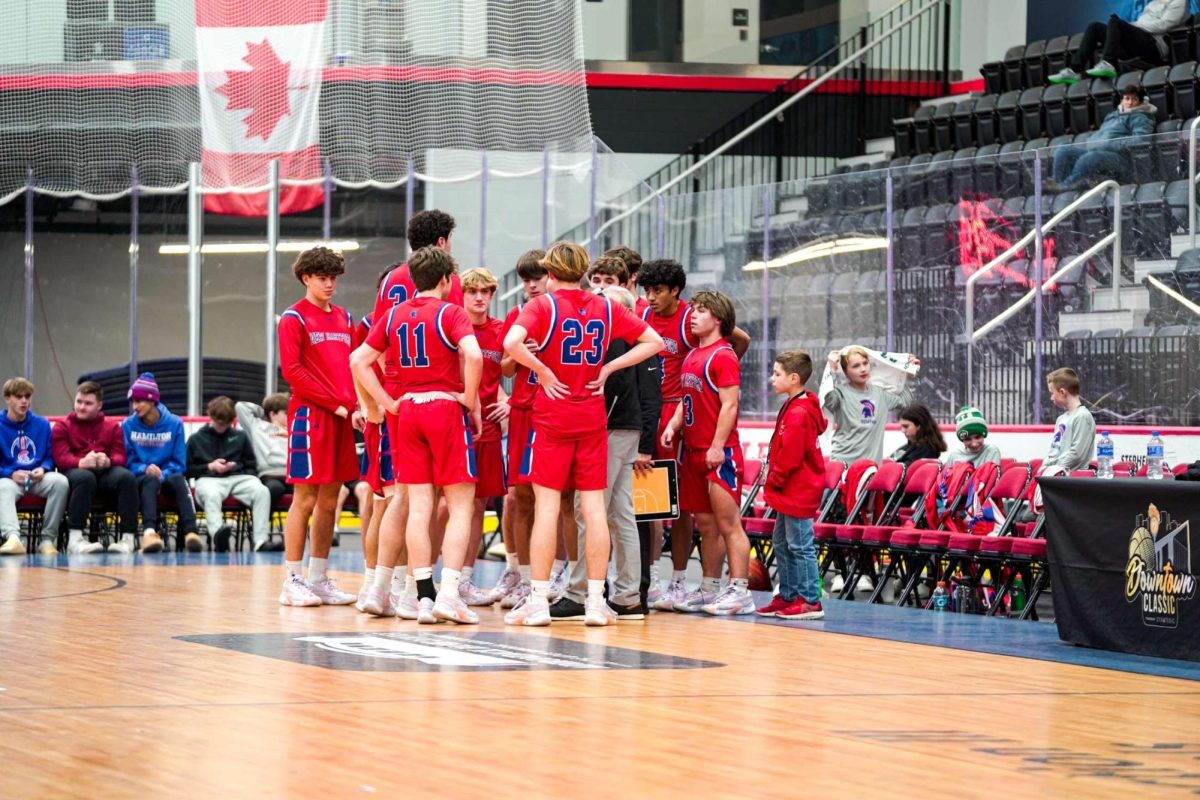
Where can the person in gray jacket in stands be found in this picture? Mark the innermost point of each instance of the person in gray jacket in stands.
(1105, 155)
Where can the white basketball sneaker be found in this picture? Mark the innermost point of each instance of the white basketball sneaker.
(675, 593)
(407, 608)
(597, 613)
(695, 600)
(558, 585)
(330, 593)
(514, 598)
(731, 601)
(452, 608)
(508, 581)
(534, 611)
(297, 592)
(472, 595)
(377, 604)
(425, 615)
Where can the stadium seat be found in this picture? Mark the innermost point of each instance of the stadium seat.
(911, 189)
(1182, 90)
(1056, 54)
(962, 174)
(993, 76)
(1013, 75)
(1034, 64)
(984, 114)
(1008, 127)
(1030, 104)
(1169, 151)
(1010, 169)
(923, 129)
(1151, 221)
(1079, 106)
(964, 123)
(1054, 110)
(987, 180)
(1179, 42)
(1104, 99)
(943, 127)
(938, 177)
(1154, 84)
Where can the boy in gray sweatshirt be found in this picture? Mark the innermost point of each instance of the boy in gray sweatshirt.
(1074, 431)
(859, 408)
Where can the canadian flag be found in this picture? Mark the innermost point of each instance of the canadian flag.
(260, 91)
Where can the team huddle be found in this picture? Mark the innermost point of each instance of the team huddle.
(420, 376)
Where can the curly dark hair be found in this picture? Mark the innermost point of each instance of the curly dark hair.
(662, 272)
(426, 227)
(318, 261)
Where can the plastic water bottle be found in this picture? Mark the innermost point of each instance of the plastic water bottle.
(1154, 457)
(1104, 456)
(941, 598)
(1016, 596)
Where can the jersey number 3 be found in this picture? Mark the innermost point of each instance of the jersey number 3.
(583, 342)
(412, 353)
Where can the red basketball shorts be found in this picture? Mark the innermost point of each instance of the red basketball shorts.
(377, 453)
(664, 419)
(568, 463)
(489, 460)
(695, 478)
(432, 443)
(520, 428)
(320, 445)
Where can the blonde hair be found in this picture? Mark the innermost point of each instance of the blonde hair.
(1065, 378)
(853, 350)
(479, 278)
(18, 387)
(621, 295)
(566, 262)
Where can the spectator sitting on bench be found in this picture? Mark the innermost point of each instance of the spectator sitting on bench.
(222, 461)
(156, 450)
(27, 468)
(92, 450)
(266, 425)
(1105, 155)
(1141, 39)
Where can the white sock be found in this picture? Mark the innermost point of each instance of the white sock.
(654, 573)
(410, 585)
(710, 584)
(540, 589)
(595, 589)
(383, 578)
(741, 583)
(450, 580)
(316, 569)
(149, 531)
(678, 574)
(466, 574)
(510, 561)
(526, 573)
(295, 568)
(368, 577)
(559, 565)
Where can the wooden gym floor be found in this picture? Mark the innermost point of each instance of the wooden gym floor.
(180, 676)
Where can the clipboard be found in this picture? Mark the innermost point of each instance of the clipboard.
(656, 494)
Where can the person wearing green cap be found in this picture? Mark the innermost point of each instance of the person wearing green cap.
(972, 430)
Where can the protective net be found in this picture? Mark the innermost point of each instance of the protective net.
(354, 91)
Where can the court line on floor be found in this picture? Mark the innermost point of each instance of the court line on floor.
(118, 583)
(577, 698)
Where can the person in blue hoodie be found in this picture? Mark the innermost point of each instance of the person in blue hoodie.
(156, 454)
(26, 467)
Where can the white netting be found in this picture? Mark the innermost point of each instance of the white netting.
(114, 85)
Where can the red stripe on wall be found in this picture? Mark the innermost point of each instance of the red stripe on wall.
(258, 13)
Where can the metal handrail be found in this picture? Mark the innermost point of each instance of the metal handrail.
(765, 119)
(1113, 238)
(1192, 182)
(1174, 295)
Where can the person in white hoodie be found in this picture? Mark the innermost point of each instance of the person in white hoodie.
(1141, 38)
(266, 425)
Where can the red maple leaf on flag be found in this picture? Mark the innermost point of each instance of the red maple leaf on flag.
(263, 89)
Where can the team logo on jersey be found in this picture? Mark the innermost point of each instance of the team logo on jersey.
(671, 346)
(868, 409)
(1059, 430)
(318, 337)
(22, 449)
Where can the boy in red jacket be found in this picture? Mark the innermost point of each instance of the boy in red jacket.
(795, 480)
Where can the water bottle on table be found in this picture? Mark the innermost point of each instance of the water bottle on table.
(1104, 456)
(1154, 457)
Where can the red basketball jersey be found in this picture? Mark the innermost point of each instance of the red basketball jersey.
(314, 354)
(524, 385)
(678, 340)
(361, 331)
(704, 371)
(421, 337)
(640, 305)
(398, 288)
(492, 345)
(573, 328)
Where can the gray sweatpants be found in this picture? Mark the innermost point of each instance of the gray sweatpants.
(52, 486)
(248, 489)
(622, 525)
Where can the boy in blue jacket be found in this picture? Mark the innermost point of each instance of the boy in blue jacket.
(156, 454)
(27, 467)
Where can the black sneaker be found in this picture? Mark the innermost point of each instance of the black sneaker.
(566, 609)
(337, 539)
(221, 539)
(270, 546)
(635, 611)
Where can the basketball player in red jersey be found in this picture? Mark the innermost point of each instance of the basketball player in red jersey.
(315, 339)
(437, 417)
(710, 467)
(633, 263)
(670, 315)
(569, 447)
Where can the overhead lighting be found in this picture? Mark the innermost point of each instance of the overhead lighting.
(240, 248)
(832, 247)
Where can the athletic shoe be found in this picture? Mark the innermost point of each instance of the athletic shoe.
(472, 595)
(123, 545)
(269, 546)
(675, 593)
(1103, 69)
(82, 546)
(425, 614)
(337, 539)
(297, 592)
(773, 607)
(151, 542)
(633, 611)
(566, 610)
(377, 604)
(221, 539)
(519, 593)
(732, 600)
(47, 548)
(653, 595)
(453, 608)
(12, 546)
(508, 581)
(193, 543)
(363, 591)
(558, 585)
(408, 608)
(1066, 75)
(331, 594)
(597, 614)
(802, 609)
(533, 611)
(695, 601)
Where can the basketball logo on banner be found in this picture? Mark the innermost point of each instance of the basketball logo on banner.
(1159, 569)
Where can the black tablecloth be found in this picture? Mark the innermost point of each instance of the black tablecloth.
(1121, 563)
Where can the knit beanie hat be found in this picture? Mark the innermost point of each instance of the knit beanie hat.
(144, 388)
(968, 421)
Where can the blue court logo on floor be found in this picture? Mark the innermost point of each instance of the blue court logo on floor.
(436, 652)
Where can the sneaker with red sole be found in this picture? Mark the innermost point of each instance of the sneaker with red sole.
(801, 609)
(772, 608)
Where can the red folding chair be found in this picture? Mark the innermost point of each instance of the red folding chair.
(876, 504)
(31, 510)
(1144, 470)
(923, 551)
(845, 495)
